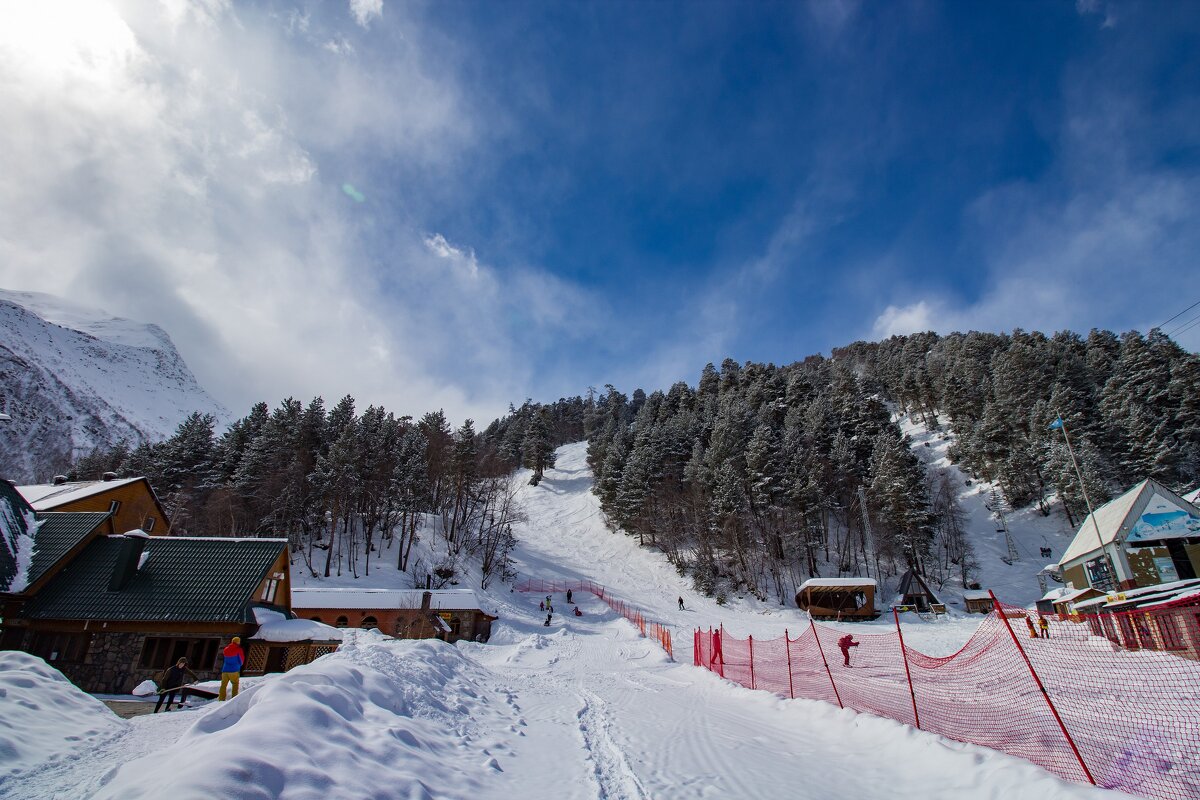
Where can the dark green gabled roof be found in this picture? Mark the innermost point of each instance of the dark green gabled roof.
(182, 580)
(57, 533)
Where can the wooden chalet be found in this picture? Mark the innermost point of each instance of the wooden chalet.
(838, 598)
(130, 502)
(110, 611)
(449, 615)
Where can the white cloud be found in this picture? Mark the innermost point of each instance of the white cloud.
(903, 320)
(366, 10)
(179, 179)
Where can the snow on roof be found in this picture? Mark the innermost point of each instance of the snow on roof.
(1072, 594)
(1107, 518)
(383, 598)
(1193, 496)
(47, 496)
(297, 630)
(821, 583)
(977, 594)
(1056, 593)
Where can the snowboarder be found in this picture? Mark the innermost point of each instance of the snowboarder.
(1044, 624)
(681, 604)
(1033, 634)
(549, 608)
(231, 667)
(568, 597)
(547, 622)
(578, 613)
(845, 643)
(172, 680)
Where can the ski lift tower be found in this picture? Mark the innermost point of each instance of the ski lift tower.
(997, 508)
(862, 504)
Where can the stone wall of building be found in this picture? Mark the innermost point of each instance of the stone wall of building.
(111, 664)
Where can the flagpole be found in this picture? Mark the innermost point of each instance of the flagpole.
(1063, 426)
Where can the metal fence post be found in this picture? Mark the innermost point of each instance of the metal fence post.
(1041, 688)
(751, 640)
(907, 673)
(821, 650)
(787, 644)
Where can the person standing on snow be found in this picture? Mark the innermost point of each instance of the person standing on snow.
(547, 622)
(541, 605)
(231, 667)
(845, 643)
(681, 604)
(172, 680)
(568, 597)
(1033, 634)
(1044, 624)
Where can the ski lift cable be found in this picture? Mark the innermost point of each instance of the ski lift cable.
(1180, 314)
(1191, 325)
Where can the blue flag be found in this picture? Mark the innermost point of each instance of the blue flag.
(1058, 423)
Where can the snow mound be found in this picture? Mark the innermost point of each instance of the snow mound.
(43, 716)
(378, 713)
(145, 689)
(298, 630)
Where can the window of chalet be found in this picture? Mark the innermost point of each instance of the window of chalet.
(368, 623)
(114, 506)
(63, 648)
(270, 587)
(342, 622)
(159, 652)
(148, 525)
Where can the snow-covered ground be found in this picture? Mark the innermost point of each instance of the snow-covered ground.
(1015, 583)
(585, 708)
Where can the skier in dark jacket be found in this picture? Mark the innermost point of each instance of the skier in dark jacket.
(172, 680)
(845, 643)
(681, 604)
(568, 597)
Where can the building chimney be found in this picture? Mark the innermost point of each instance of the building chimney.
(109, 476)
(59, 480)
(426, 598)
(129, 555)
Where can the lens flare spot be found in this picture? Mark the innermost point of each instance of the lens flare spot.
(350, 191)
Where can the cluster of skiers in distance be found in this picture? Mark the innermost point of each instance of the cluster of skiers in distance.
(547, 605)
(1042, 631)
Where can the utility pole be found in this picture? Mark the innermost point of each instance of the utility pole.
(1062, 425)
(866, 519)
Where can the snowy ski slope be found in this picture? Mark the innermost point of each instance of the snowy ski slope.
(584, 708)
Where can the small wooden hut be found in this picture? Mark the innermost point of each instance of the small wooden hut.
(838, 598)
(913, 593)
(978, 601)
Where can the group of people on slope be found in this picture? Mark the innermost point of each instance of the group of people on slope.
(174, 680)
(548, 606)
(1042, 631)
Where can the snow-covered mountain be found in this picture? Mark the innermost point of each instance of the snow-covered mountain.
(73, 377)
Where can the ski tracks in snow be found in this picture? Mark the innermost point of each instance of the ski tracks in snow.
(615, 778)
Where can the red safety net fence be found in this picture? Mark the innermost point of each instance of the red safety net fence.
(1074, 703)
(649, 628)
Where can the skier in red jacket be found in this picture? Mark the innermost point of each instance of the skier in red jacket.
(845, 643)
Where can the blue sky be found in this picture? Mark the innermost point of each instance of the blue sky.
(463, 204)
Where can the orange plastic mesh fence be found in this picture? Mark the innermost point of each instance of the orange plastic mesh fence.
(654, 630)
(1112, 699)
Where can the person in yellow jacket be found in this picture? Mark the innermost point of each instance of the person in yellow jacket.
(231, 667)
